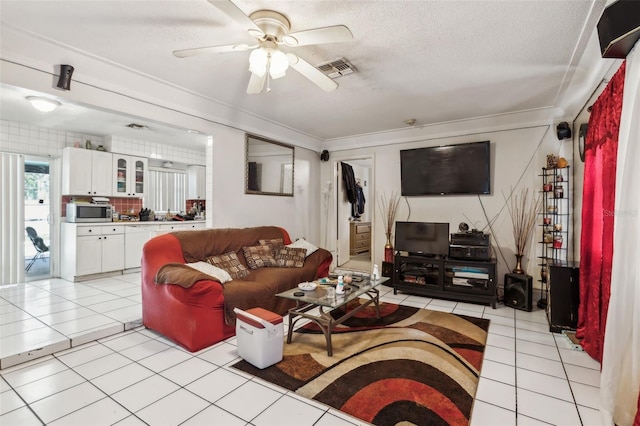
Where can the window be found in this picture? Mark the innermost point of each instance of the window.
(167, 190)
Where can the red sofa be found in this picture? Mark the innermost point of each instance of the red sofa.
(193, 310)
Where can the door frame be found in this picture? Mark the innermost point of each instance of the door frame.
(337, 185)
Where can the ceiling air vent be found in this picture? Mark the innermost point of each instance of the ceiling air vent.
(337, 68)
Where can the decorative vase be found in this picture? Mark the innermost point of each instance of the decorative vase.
(518, 269)
(388, 250)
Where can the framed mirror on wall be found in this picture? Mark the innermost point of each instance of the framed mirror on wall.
(268, 167)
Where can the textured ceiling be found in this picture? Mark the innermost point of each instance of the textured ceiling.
(435, 61)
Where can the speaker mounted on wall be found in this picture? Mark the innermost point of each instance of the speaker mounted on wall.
(564, 131)
(619, 28)
(518, 291)
(64, 81)
(324, 156)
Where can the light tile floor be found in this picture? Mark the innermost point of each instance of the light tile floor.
(76, 354)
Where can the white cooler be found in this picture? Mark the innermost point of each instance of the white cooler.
(259, 336)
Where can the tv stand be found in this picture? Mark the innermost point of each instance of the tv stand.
(461, 280)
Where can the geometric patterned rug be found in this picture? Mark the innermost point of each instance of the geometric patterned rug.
(411, 366)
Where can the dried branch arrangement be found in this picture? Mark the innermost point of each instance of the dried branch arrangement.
(389, 209)
(523, 210)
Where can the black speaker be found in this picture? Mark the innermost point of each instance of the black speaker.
(564, 131)
(387, 269)
(518, 291)
(324, 156)
(619, 28)
(64, 81)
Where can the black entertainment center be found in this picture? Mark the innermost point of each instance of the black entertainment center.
(427, 264)
(427, 261)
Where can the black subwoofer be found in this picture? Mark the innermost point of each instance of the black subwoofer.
(518, 291)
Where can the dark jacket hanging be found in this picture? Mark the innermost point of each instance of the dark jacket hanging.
(349, 180)
(358, 206)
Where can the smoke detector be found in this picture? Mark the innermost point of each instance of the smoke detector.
(336, 68)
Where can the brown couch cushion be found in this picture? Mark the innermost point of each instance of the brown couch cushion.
(229, 262)
(290, 257)
(259, 257)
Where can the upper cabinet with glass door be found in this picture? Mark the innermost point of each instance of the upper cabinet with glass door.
(131, 176)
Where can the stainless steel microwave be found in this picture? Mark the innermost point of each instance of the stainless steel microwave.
(85, 212)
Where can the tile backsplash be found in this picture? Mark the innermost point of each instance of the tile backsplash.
(190, 204)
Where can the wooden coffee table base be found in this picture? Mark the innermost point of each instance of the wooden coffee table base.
(324, 320)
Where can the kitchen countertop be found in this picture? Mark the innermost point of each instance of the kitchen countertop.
(138, 222)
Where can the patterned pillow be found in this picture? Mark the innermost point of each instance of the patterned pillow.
(259, 256)
(290, 257)
(230, 263)
(274, 244)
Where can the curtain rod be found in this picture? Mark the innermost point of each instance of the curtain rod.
(604, 80)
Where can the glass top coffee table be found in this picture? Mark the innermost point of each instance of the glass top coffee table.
(318, 299)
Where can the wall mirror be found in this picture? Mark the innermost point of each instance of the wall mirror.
(268, 167)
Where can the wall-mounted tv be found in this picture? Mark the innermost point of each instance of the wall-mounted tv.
(423, 238)
(446, 170)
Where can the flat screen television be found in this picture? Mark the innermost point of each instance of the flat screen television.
(422, 238)
(446, 170)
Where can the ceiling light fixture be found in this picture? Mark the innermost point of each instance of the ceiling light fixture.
(268, 58)
(43, 104)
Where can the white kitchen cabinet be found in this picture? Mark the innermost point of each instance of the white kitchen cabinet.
(91, 249)
(135, 236)
(196, 182)
(131, 176)
(86, 172)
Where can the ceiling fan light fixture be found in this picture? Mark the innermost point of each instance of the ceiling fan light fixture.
(278, 64)
(258, 61)
(43, 104)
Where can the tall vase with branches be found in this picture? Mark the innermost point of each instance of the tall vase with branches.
(388, 209)
(523, 209)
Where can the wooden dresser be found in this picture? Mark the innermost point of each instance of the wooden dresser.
(360, 237)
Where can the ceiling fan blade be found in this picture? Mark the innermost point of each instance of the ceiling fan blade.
(256, 83)
(312, 73)
(334, 34)
(213, 49)
(233, 12)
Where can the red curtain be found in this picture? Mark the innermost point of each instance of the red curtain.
(598, 204)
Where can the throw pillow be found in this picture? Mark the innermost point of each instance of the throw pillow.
(290, 257)
(302, 243)
(207, 268)
(274, 244)
(230, 263)
(259, 257)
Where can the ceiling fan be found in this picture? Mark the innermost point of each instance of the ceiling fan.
(271, 29)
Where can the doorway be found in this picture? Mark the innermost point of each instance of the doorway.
(354, 221)
(37, 218)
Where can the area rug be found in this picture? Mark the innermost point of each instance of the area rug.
(411, 366)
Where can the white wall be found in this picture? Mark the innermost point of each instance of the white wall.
(231, 207)
(517, 158)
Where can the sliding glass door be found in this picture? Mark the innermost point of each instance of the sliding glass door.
(37, 218)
